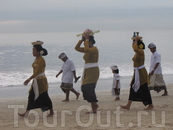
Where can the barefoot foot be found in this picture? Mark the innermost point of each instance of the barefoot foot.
(24, 114)
(21, 115)
(50, 115)
(149, 107)
(125, 107)
(65, 100)
(91, 112)
(117, 99)
(165, 94)
(94, 108)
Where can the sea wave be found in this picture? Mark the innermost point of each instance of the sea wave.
(13, 78)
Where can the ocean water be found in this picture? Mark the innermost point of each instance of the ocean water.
(114, 49)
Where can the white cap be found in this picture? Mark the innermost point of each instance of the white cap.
(114, 67)
(62, 55)
(151, 45)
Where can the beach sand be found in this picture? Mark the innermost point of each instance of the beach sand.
(71, 115)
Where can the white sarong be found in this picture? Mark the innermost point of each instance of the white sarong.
(156, 80)
(35, 86)
(136, 83)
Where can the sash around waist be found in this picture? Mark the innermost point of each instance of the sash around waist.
(90, 65)
(140, 67)
(41, 77)
(136, 84)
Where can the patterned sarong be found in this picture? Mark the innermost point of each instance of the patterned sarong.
(156, 83)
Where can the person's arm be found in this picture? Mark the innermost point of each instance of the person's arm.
(28, 80)
(78, 46)
(37, 70)
(74, 74)
(136, 49)
(155, 67)
(59, 73)
(76, 78)
(73, 69)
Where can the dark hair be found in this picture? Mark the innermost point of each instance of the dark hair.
(141, 42)
(40, 48)
(116, 71)
(91, 39)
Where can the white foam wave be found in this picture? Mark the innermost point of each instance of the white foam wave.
(17, 78)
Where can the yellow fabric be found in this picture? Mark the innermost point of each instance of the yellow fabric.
(138, 60)
(91, 75)
(38, 68)
(91, 55)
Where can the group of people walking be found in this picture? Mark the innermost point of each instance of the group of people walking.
(139, 90)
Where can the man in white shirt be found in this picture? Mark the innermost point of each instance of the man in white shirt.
(68, 70)
(155, 73)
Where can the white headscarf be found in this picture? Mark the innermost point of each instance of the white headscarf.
(151, 45)
(62, 55)
(114, 67)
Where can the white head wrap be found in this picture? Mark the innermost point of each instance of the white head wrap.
(114, 67)
(62, 55)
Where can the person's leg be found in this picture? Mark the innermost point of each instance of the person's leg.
(25, 114)
(67, 92)
(51, 113)
(30, 105)
(117, 93)
(75, 92)
(150, 106)
(127, 106)
(145, 95)
(160, 82)
(165, 92)
(94, 107)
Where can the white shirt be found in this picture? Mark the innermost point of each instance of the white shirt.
(68, 68)
(115, 78)
(156, 58)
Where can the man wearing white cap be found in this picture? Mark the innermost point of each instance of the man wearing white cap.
(69, 71)
(155, 73)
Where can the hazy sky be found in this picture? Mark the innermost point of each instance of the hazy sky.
(76, 15)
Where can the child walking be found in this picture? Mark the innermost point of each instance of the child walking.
(116, 82)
